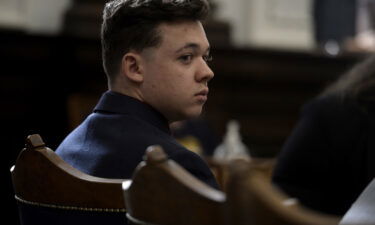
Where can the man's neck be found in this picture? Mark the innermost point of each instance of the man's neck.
(126, 91)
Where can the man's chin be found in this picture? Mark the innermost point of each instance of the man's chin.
(194, 114)
(187, 114)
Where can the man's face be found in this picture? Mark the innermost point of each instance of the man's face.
(176, 73)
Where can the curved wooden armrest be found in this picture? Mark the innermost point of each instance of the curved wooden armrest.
(162, 192)
(42, 177)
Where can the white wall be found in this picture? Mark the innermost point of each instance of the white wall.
(269, 23)
(10, 13)
(263, 23)
(235, 12)
(36, 16)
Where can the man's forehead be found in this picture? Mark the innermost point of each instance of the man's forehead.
(185, 35)
(193, 46)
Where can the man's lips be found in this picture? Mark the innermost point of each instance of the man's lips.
(203, 92)
(202, 95)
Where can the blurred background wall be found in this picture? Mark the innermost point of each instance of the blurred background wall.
(270, 23)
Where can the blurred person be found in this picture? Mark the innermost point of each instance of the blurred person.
(155, 55)
(334, 23)
(196, 135)
(329, 158)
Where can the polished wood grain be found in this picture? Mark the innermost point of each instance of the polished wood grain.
(42, 177)
(162, 192)
(252, 199)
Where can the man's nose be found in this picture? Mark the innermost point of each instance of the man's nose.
(204, 73)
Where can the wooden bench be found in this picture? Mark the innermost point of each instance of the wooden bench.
(50, 191)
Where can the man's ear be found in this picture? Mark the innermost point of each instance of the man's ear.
(131, 67)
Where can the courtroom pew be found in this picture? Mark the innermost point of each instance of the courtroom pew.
(252, 199)
(221, 167)
(162, 192)
(50, 191)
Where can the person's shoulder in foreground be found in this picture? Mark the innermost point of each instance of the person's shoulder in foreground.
(155, 55)
(324, 162)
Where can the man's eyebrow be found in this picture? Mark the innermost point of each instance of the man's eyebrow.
(193, 46)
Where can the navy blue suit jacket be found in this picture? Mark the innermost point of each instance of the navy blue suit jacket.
(112, 140)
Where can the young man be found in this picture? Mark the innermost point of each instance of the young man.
(155, 55)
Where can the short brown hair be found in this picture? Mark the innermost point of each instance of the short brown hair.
(132, 25)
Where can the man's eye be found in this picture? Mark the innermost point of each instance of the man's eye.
(207, 58)
(186, 58)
